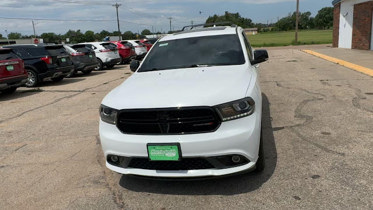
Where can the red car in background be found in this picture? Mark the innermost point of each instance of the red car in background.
(126, 51)
(12, 71)
(147, 44)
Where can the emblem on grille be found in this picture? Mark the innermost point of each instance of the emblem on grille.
(163, 122)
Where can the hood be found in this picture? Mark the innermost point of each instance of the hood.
(202, 86)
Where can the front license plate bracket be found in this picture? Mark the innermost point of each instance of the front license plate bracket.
(164, 152)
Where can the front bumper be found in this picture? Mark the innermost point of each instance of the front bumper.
(236, 137)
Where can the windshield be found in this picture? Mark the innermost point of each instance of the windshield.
(194, 52)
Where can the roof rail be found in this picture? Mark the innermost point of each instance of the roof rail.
(209, 24)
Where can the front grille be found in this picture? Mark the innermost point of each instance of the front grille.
(168, 121)
(184, 164)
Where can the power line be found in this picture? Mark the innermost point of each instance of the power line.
(70, 20)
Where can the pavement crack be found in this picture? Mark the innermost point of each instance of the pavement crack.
(325, 149)
(55, 101)
(356, 100)
(20, 147)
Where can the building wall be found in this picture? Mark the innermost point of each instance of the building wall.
(337, 12)
(361, 34)
(346, 22)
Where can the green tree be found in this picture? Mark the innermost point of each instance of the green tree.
(14, 35)
(128, 35)
(1, 36)
(234, 18)
(50, 37)
(89, 36)
(74, 36)
(324, 18)
(146, 32)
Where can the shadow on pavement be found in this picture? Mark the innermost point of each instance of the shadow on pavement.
(220, 186)
(20, 94)
(65, 81)
(93, 73)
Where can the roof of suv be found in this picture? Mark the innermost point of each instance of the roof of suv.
(211, 31)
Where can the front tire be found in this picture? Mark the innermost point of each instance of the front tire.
(32, 79)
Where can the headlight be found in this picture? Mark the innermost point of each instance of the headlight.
(236, 109)
(108, 114)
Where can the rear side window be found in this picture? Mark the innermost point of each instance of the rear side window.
(81, 48)
(127, 44)
(109, 46)
(139, 43)
(7, 55)
(56, 51)
(36, 51)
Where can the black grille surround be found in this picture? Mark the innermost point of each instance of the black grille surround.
(168, 121)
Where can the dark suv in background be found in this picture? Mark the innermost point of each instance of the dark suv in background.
(42, 62)
(84, 59)
(12, 71)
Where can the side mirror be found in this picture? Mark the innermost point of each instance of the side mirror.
(260, 56)
(134, 65)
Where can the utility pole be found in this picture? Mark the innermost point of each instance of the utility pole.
(116, 5)
(192, 22)
(170, 18)
(297, 22)
(6, 31)
(33, 26)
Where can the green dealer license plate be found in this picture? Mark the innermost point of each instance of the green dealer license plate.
(63, 60)
(164, 152)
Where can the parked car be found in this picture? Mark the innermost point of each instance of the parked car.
(126, 51)
(147, 44)
(140, 48)
(12, 71)
(43, 62)
(189, 110)
(106, 53)
(84, 59)
(152, 40)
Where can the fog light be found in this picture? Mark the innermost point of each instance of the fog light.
(236, 159)
(114, 158)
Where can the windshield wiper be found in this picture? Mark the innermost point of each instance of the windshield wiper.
(199, 65)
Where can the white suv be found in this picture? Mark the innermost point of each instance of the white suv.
(140, 48)
(193, 108)
(106, 53)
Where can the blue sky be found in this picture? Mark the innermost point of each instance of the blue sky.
(136, 15)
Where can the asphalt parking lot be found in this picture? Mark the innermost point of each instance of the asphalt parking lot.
(318, 132)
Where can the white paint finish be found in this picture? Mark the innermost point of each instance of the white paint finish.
(346, 22)
(371, 35)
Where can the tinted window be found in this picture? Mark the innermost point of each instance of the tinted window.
(36, 51)
(56, 51)
(109, 46)
(22, 53)
(81, 48)
(191, 52)
(7, 55)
